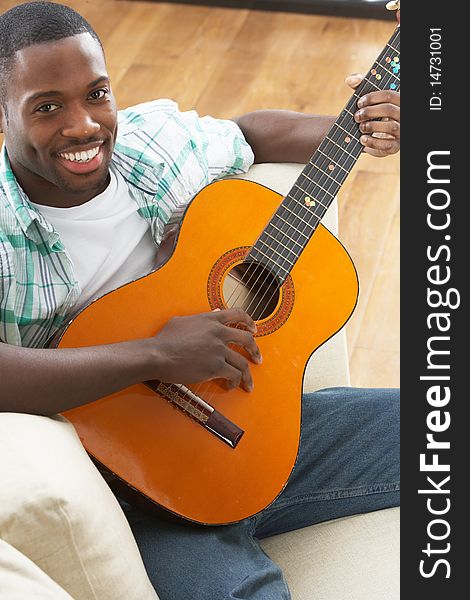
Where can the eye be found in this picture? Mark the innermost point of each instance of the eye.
(48, 108)
(99, 94)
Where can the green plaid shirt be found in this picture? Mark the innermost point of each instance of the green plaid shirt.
(166, 157)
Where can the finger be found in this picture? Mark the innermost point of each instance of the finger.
(379, 146)
(236, 316)
(238, 362)
(386, 127)
(354, 80)
(378, 111)
(232, 376)
(245, 340)
(379, 97)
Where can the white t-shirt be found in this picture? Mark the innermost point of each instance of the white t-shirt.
(108, 241)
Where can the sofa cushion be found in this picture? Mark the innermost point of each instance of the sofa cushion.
(56, 509)
(21, 579)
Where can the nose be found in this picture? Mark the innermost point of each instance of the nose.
(79, 124)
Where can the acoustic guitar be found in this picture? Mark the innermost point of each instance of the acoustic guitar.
(202, 452)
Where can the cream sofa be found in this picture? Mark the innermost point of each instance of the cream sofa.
(63, 534)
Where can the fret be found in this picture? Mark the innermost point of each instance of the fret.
(394, 49)
(338, 143)
(308, 194)
(372, 83)
(338, 183)
(312, 212)
(294, 220)
(317, 184)
(344, 150)
(332, 183)
(348, 111)
(351, 134)
(316, 209)
(347, 116)
(328, 139)
(341, 160)
(389, 67)
(386, 72)
(332, 161)
(270, 261)
(285, 235)
(295, 214)
(276, 216)
(275, 251)
(279, 241)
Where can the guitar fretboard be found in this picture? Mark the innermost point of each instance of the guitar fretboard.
(293, 224)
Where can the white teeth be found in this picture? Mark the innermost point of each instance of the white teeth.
(80, 156)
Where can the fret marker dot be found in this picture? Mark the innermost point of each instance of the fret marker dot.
(331, 167)
(396, 59)
(308, 201)
(388, 59)
(347, 139)
(378, 76)
(392, 86)
(373, 71)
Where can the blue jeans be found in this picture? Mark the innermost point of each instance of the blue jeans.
(348, 463)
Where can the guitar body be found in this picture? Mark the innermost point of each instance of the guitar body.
(158, 450)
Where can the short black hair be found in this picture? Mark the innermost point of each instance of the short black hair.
(35, 23)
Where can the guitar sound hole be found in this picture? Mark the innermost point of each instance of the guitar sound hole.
(253, 288)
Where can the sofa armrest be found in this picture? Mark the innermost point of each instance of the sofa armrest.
(56, 509)
(328, 366)
(350, 558)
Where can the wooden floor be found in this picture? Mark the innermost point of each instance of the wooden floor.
(225, 62)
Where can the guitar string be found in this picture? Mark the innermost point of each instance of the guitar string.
(330, 182)
(320, 165)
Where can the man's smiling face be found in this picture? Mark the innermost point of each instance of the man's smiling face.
(60, 120)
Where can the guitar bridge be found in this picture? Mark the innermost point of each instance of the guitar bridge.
(198, 410)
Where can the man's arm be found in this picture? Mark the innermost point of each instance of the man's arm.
(287, 136)
(186, 350)
(45, 382)
(283, 135)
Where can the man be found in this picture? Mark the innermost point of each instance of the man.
(85, 194)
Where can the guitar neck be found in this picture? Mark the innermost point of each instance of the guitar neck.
(300, 212)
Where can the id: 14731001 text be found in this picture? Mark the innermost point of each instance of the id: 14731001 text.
(435, 68)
